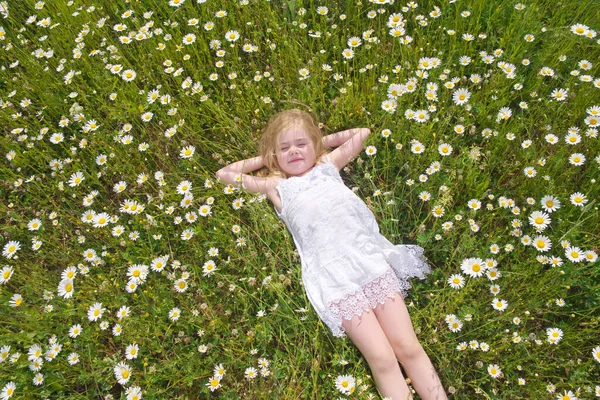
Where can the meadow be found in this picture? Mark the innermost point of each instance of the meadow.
(128, 271)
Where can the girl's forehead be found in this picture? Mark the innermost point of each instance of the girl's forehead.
(293, 133)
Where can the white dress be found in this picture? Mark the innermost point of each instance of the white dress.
(348, 267)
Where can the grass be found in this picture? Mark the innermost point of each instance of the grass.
(253, 307)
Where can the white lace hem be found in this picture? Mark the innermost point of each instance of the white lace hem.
(365, 299)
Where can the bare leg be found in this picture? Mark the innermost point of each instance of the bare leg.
(394, 320)
(366, 333)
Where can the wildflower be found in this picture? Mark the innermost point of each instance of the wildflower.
(539, 219)
(473, 267)
(5, 274)
(8, 391)
(461, 96)
(122, 373)
(174, 314)
(494, 371)
(214, 383)
(574, 254)
(16, 300)
(131, 351)
(499, 305)
(250, 373)
(128, 75)
(371, 150)
(65, 288)
(209, 268)
(95, 312)
(345, 384)
(559, 94)
(219, 371)
(187, 152)
(578, 199)
(73, 358)
(596, 353)
(567, 396)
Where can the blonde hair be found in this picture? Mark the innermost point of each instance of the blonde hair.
(281, 121)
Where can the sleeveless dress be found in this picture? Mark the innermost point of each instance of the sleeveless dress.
(348, 267)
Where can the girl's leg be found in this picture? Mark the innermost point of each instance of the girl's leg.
(366, 333)
(394, 320)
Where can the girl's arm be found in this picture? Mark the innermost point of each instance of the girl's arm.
(339, 138)
(350, 148)
(235, 174)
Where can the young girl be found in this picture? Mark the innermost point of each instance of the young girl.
(354, 277)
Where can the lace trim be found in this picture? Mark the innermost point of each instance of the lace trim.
(365, 299)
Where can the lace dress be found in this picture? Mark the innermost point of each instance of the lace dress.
(348, 267)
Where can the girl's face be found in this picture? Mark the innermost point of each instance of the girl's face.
(295, 151)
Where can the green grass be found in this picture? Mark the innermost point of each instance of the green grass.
(224, 123)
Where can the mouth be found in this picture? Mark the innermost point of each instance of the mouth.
(297, 159)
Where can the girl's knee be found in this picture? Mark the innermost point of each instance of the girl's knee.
(408, 350)
(383, 361)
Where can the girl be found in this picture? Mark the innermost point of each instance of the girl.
(354, 277)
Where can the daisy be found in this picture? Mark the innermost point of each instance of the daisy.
(204, 210)
(577, 159)
(134, 393)
(354, 41)
(137, 273)
(579, 29)
(10, 249)
(578, 199)
(421, 116)
(445, 149)
(474, 204)
(494, 371)
(438, 211)
(5, 274)
(16, 300)
(122, 373)
(131, 351)
(345, 384)
(572, 138)
(147, 116)
(180, 285)
(73, 358)
(128, 75)
(461, 96)
(95, 312)
(219, 371)
(473, 267)
(184, 187)
(187, 152)
(539, 219)
(101, 220)
(187, 234)
(455, 325)
(75, 331)
(250, 373)
(174, 314)
(189, 39)
(596, 353)
(574, 254)
(214, 383)
(65, 288)
(371, 150)
(209, 268)
(232, 35)
(550, 203)
(34, 224)
(567, 396)
(554, 335)
(38, 379)
(499, 305)
(8, 391)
